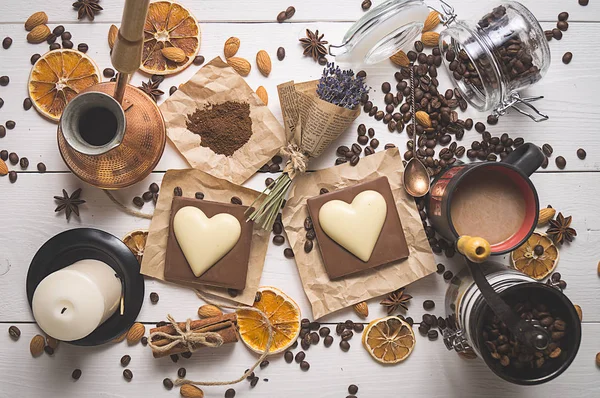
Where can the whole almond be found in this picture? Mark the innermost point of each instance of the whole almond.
(432, 21)
(174, 54)
(262, 94)
(36, 347)
(38, 34)
(430, 39)
(400, 59)
(232, 45)
(135, 334)
(546, 215)
(263, 61)
(4, 167)
(240, 65)
(113, 31)
(36, 19)
(190, 391)
(209, 311)
(423, 119)
(361, 309)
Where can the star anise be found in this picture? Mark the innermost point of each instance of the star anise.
(87, 8)
(151, 89)
(560, 229)
(313, 44)
(395, 300)
(70, 204)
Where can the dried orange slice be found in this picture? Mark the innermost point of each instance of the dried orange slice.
(169, 24)
(537, 257)
(57, 77)
(136, 242)
(284, 315)
(389, 340)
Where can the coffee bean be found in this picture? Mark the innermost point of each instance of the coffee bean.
(24, 163)
(278, 240)
(154, 297)
(288, 356)
(127, 374)
(300, 356)
(2, 131)
(280, 53)
(366, 4)
(153, 187)
(167, 383)
(67, 44)
(304, 366)
(362, 140)
(379, 115)
(561, 162)
(545, 162)
(108, 72)
(354, 160)
(347, 334)
(386, 87)
(76, 374)
(448, 275)
(54, 46)
(10, 124)
(13, 158)
(138, 202)
(352, 389)
(479, 127)
(547, 149)
(308, 224)
(230, 393)
(235, 200)
(324, 332)
(308, 246)
(14, 333)
(198, 60)
(428, 305)
(492, 120)
(125, 360)
(432, 334)
(562, 25)
(4, 80)
(344, 345)
(181, 372)
(581, 154)
(584, 2)
(1, 105)
(328, 341)
(27, 104)
(12, 176)
(557, 33)
(4, 155)
(83, 47)
(567, 58)
(172, 90)
(6, 43)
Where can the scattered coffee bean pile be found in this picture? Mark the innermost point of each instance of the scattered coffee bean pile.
(150, 195)
(505, 348)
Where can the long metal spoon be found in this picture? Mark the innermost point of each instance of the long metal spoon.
(416, 178)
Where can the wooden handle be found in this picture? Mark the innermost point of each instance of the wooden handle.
(126, 55)
(475, 249)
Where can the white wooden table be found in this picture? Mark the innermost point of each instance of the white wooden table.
(27, 217)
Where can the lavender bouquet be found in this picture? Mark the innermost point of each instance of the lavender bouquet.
(315, 113)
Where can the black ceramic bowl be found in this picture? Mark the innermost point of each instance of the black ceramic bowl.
(70, 246)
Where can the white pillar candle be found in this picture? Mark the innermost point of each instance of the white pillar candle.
(71, 303)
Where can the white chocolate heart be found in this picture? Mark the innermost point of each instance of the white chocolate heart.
(356, 226)
(203, 240)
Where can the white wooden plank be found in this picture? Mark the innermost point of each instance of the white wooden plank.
(431, 369)
(307, 10)
(29, 221)
(570, 91)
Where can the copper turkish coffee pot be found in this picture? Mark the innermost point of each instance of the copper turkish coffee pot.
(112, 135)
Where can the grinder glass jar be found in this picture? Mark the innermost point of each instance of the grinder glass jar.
(490, 61)
(474, 328)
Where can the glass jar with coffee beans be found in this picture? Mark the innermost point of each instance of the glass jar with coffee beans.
(493, 59)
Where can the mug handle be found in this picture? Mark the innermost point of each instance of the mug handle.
(527, 158)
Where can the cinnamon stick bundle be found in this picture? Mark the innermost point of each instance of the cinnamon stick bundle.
(225, 325)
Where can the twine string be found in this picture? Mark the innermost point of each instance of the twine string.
(298, 160)
(126, 209)
(190, 339)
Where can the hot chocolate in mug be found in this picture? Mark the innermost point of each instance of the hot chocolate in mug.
(494, 200)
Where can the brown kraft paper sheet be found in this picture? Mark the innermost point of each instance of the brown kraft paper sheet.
(216, 190)
(217, 83)
(327, 296)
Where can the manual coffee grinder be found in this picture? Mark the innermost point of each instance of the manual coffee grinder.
(525, 331)
(112, 135)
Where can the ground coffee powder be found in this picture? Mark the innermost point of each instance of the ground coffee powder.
(223, 128)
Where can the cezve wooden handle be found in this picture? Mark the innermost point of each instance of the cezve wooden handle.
(127, 52)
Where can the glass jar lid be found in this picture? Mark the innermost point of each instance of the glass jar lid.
(382, 32)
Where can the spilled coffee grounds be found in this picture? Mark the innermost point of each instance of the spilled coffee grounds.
(223, 128)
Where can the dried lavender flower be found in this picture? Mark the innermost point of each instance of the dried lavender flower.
(341, 87)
